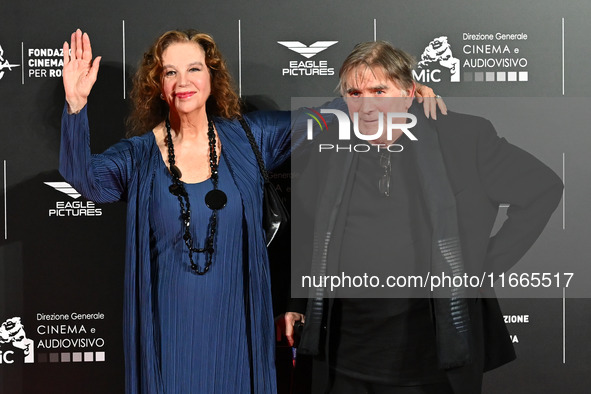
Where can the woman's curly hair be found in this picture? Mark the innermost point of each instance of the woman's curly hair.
(149, 109)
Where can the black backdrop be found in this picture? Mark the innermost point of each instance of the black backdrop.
(62, 256)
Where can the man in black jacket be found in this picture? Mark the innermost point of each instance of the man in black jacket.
(410, 202)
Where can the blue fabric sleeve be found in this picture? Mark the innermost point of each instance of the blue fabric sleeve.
(279, 132)
(100, 178)
(272, 132)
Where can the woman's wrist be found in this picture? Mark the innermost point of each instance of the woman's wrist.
(75, 106)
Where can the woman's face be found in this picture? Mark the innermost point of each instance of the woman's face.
(186, 81)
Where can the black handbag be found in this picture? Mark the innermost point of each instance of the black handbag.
(275, 215)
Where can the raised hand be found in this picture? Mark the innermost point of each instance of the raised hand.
(79, 72)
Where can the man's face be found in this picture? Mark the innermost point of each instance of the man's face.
(372, 94)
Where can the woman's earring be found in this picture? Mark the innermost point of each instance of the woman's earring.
(161, 96)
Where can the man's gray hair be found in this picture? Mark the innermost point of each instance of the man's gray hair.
(395, 63)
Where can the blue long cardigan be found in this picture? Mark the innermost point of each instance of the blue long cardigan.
(125, 172)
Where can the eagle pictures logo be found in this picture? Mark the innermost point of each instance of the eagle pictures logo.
(302, 68)
(72, 208)
(307, 51)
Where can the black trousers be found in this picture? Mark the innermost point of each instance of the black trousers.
(343, 384)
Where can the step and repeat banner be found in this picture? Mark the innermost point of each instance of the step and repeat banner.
(61, 256)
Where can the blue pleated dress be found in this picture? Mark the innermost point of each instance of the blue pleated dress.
(201, 318)
(185, 333)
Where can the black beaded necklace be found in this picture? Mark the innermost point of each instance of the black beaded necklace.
(214, 199)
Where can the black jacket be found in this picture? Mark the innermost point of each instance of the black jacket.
(484, 171)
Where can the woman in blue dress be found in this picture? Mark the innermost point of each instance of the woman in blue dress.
(197, 314)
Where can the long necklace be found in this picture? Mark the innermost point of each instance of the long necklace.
(214, 199)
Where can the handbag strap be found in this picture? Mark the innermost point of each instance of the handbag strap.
(255, 148)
